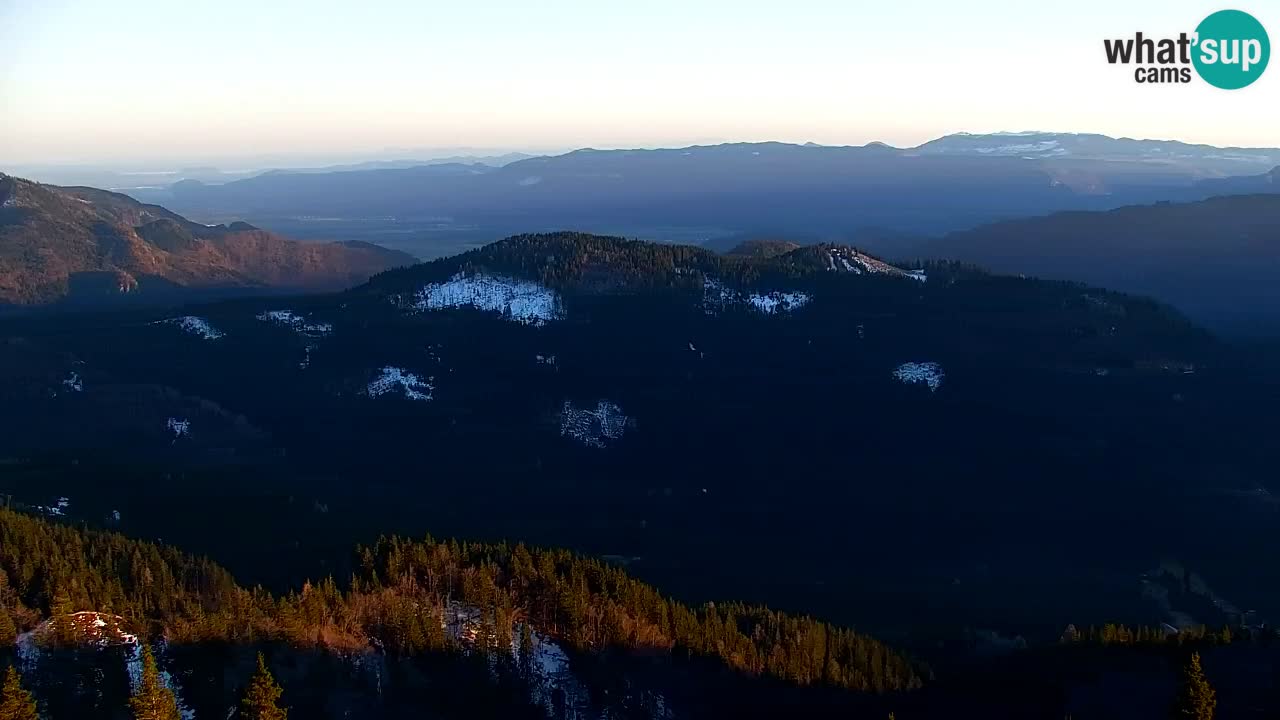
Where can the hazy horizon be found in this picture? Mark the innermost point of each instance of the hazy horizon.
(146, 81)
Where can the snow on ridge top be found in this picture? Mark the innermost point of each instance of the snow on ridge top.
(414, 387)
(299, 323)
(197, 326)
(716, 297)
(1045, 147)
(837, 260)
(927, 373)
(843, 259)
(593, 428)
(522, 301)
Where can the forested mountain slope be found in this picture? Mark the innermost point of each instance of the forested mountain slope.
(918, 449)
(463, 630)
(96, 246)
(411, 603)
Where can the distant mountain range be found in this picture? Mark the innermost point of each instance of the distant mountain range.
(705, 192)
(144, 178)
(485, 160)
(87, 245)
(1171, 154)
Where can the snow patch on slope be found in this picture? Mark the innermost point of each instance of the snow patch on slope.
(28, 650)
(927, 373)
(133, 665)
(98, 631)
(521, 301)
(58, 509)
(594, 428)
(776, 302)
(89, 628)
(552, 684)
(393, 378)
(716, 298)
(196, 326)
(179, 427)
(297, 323)
(1031, 151)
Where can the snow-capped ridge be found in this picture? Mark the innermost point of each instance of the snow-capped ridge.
(521, 301)
(846, 259)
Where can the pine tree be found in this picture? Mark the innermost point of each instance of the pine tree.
(8, 632)
(153, 701)
(1196, 699)
(60, 612)
(260, 700)
(526, 649)
(15, 702)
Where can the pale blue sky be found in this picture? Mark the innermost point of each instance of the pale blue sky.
(94, 80)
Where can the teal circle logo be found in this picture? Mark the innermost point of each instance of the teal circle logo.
(1232, 49)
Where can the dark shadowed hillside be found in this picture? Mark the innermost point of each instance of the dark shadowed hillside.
(690, 414)
(1218, 260)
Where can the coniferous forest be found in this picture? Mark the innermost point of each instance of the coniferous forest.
(799, 484)
(429, 628)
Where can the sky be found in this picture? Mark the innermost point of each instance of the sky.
(193, 80)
